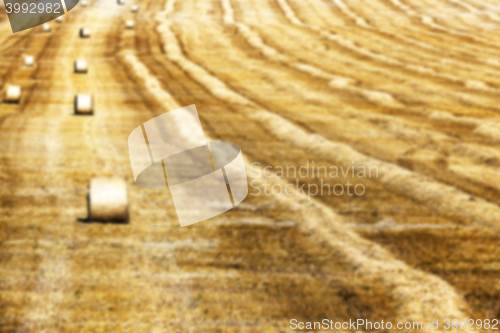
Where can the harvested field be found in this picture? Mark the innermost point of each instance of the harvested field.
(406, 90)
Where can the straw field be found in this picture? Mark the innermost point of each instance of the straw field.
(407, 87)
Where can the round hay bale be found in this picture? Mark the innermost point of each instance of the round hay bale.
(12, 94)
(108, 200)
(120, 2)
(29, 61)
(46, 27)
(129, 24)
(134, 8)
(83, 3)
(81, 66)
(84, 33)
(84, 104)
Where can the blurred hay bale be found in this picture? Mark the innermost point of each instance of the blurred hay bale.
(12, 94)
(108, 200)
(84, 104)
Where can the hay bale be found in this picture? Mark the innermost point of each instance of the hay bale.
(81, 66)
(120, 2)
(59, 19)
(29, 61)
(12, 94)
(46, 27)
(129, 24)
(84, 104)
(134, 8)
(108, 200)
(84, 33)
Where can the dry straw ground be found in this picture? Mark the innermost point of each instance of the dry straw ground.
(408, 86)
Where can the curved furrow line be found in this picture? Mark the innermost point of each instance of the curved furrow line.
(461, 18)
(358, 20)
(439, 41)
(335, 81)
(323, 221)
(458, 17)
(205, 12)
(9, 42)
(416, 139)
(334, 222)
(430, 22)
(255, 41)
(405, 89)
(475, 10)
(467, 99)
(444, 199)
(465, 6)
(260, 147)
(427, 53)
(484, 5)
(410, 133)
(406, 27)
(422, 96)
(349, 44)
(482, 127)
(468, 82)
